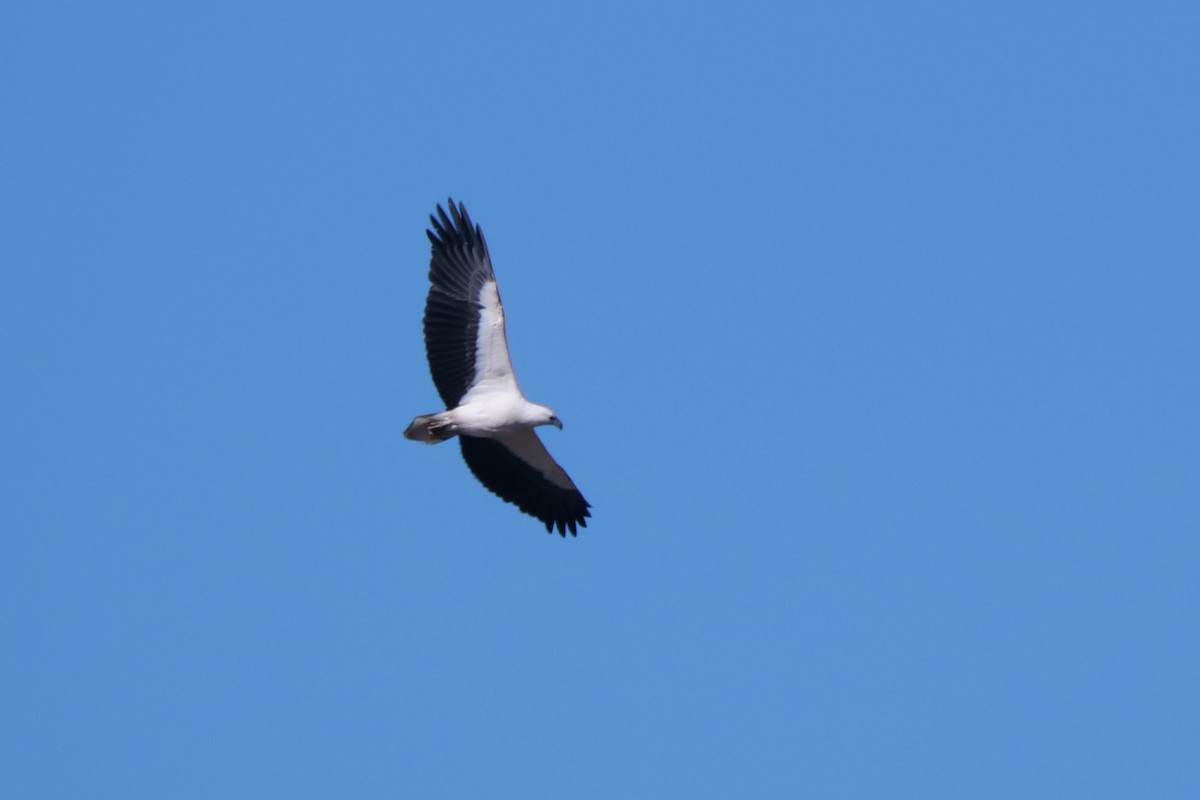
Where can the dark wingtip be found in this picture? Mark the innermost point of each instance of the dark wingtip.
(563, 526)
(457, 223)
(440, 223)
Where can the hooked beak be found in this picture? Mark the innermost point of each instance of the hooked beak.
(556, 422)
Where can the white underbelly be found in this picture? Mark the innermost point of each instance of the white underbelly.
(485, 419)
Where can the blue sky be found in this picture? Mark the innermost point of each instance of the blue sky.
(874, 328)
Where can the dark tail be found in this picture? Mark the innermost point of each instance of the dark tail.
(429, 429)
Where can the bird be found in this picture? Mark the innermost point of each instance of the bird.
(468, 358)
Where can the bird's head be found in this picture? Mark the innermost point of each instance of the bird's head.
(544, 416)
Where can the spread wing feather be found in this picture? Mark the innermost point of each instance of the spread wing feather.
(459, 268)
(516, 467)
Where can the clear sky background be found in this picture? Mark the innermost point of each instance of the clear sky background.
(875, 328)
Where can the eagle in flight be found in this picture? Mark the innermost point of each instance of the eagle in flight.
(469, 362)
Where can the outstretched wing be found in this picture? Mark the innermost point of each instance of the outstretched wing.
(516, 467)
(464, 321)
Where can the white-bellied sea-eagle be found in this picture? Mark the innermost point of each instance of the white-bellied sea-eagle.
(468, 358)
